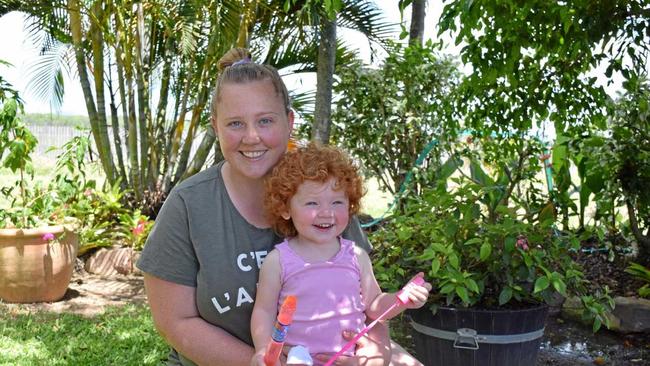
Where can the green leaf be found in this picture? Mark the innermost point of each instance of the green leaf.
(595, 182)
(435, 266)
(486, 250)
(596, 325)
(462, 293)
(473, 241)
(479, 175)
(448, 288)
(505, 295)
(559, 156)
(404, 234)
(547, 213)
(453, 260)
(510, 243)
(438, 247)
(541, 284)
(472, 285)
(559, 286)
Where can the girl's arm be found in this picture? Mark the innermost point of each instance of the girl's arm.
(265, 309)
(176, 317)
(376, 301)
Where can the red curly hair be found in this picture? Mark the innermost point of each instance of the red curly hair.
(313, 162)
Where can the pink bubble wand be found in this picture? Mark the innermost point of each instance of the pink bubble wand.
(402, 299)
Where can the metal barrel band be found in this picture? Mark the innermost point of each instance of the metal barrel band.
(468, 338)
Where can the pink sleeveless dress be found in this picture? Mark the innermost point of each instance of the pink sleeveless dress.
(328, 298)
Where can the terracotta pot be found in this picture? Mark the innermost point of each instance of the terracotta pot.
(34, 269)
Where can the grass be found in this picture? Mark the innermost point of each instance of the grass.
(55, 119)
(121, 336)
(375, 202)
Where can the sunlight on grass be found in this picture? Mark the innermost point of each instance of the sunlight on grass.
(121, 336)
(22, 351)
(375, 202)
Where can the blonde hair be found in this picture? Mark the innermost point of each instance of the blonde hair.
(313, 162)
(237, 66)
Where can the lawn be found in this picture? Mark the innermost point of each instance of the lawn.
(121, 336)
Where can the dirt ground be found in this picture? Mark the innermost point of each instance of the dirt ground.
(89, 294)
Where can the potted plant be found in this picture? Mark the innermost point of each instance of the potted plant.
(37, 249)
(488, 245)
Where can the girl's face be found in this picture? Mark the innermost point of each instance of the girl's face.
(319, 213)
(252, 126)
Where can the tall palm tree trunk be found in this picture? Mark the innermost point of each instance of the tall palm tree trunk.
(105, 156)
(416, 31)
(324, 80)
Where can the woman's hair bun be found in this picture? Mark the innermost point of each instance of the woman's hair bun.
(232, 56)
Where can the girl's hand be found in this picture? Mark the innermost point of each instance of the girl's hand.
(417, 294)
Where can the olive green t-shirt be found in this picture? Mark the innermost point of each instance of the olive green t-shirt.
(200, 240)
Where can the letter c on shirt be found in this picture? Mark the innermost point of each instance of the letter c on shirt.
(240, 263)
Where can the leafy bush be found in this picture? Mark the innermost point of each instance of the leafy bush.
(27, 207)
(387, 116)
(642, 273)
(482, 244)
(616, 165)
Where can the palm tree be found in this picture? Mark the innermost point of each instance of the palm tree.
(147, 70)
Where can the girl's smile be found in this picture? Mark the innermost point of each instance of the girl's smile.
(319, 212)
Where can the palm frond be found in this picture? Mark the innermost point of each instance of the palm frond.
(365, 17)
(303, 102)
(46, 81)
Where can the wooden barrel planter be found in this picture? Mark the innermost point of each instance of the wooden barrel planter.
(466, 337)
(36, 264)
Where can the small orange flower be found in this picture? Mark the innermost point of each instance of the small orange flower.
(291, 145)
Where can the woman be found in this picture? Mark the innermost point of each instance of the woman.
(203, 256)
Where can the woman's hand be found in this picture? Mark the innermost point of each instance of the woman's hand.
(258, 358)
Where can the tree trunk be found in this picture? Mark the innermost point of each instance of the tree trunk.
(202, 154)
(418, 12)
(177, 134)
(324, 81)
(77, 38)
(642, 240)
(103, 144)
(142, 82)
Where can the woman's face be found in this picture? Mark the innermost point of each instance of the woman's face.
(252, 126)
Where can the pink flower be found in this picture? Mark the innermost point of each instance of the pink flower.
(47, 237)
(522, 242)
(88, 192)
(139, 228)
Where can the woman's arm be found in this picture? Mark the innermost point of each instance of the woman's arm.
(265, 309)
(176, 317)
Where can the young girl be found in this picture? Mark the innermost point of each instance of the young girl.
(310, 197)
